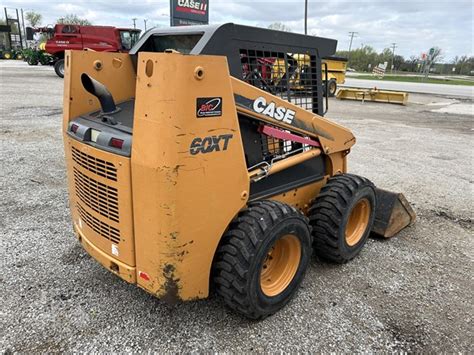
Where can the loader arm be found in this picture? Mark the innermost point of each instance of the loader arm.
(264, 106)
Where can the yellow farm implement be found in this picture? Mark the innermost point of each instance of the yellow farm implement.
(373, 95)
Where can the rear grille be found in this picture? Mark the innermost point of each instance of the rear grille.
(106, 231)
(97, 166)
(99, 197)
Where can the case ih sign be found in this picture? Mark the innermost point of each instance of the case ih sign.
(189, 12)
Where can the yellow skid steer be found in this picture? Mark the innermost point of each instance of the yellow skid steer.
(190, 171)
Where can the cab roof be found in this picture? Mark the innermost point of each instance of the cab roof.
(221, 39)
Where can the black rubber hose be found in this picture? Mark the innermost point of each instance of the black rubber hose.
(100, 91)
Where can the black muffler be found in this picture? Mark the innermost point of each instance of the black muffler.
(100, 91)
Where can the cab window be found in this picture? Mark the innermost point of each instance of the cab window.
(126, 40)
(134, 36)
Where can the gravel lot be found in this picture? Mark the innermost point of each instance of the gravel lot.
(410, 293)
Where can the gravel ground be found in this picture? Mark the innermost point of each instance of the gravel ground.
(410, 293)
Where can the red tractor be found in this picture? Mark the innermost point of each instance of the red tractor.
(96, 38)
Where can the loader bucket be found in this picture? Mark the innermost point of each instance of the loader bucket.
(393, 213)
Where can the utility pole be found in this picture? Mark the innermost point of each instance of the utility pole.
(24, 29)
(19, 28)
(9, 37)
(352, 34)
(394, 45)
(134, 22)
(145, 20)
(305, 17)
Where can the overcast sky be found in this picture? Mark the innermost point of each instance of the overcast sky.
(414, 25)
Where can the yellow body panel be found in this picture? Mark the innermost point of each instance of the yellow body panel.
(301, 197)
(100, 198)
(336, 65)
(340, 77)
(336, 70)
(114, 70)
(183, 203)
(174, 204)
(99, 182)
(122, 270)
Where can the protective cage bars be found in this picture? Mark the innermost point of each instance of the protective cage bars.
(291, 76)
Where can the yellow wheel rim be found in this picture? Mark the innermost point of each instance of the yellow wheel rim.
(357, 222)
(7, 55)
(280, 265)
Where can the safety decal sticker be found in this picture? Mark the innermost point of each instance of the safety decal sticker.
(208, 107)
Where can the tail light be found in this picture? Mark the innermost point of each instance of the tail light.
(116, 143)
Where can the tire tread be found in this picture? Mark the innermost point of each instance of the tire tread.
(327, 212)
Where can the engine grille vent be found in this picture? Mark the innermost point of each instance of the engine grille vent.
(106, 231)
(97, 166)
(100, 197)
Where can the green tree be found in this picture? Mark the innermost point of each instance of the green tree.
(279, 27)
(361, 59)
(73, 19)
(410, 65)
(463, 64)
(33, 18)
(385, 56)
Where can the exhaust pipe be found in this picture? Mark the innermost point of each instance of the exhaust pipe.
(100, 91)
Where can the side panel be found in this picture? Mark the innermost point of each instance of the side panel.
(100, 38)
(189, 174)
(301, 197)
(99, 181)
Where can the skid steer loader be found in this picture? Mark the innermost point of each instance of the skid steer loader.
(189, 173)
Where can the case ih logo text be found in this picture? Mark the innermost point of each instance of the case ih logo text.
(193, 6)
(210, 144)
(279, 113)
(208, 106)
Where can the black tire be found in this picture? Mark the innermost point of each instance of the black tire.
(59, 68)
(332, 215)
(332, 87)
(32, 61)
(243, 253)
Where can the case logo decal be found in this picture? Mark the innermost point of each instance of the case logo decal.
(208, 106)
(279, 113)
